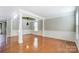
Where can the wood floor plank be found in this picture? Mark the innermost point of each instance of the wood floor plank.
(45, 45)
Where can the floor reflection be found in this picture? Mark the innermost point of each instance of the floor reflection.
(35, 43)
(27, 46)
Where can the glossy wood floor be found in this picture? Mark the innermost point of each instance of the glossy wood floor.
(45, 44)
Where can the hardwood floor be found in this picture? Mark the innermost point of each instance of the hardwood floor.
(45, 45)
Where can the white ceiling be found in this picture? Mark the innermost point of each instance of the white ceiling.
(43, 11)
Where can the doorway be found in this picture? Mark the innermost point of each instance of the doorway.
(32, 35)
(2, 36)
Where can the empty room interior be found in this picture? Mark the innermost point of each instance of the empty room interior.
(39, 29)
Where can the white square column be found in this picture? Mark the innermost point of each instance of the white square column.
(43, 27)
(35, 32)
(77, 38)
(20, 40)
(35, 26)
(77, 24)
(43, 32)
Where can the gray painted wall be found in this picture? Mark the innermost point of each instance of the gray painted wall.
(66, 23)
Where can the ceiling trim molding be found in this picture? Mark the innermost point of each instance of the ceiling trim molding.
(70, 14)
(30, 13)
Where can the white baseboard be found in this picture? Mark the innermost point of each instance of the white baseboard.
(15, 33)
(77, 42)
(70, 36)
